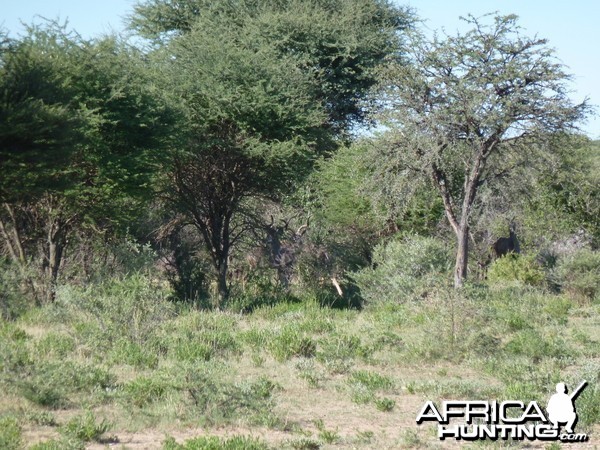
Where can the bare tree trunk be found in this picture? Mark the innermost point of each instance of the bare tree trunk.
(216, 233)
(210, 187)
(222, 257)
(55, 249)
(461, 228)
(16, 249)
(45, 215)
(8, 243)
(13, 238)
(56, 226)
(462, 255)
(471, 186)
(223, 293)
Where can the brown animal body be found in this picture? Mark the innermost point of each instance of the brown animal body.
(504, 246)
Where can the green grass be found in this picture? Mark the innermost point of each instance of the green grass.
(328, 436)
(290, 342)
(217, 401)
(133, 354)
(364, 384)
(55, 444)
(216, 443)
(385, 404)
(10, 434)
(371, 380)
(342, 347)
(55, 344)
(42, 418)
(588, 402)
(304, 444)
(62, 383)
(308, 371)
(144, 390)
(279, 368)
(85, 428)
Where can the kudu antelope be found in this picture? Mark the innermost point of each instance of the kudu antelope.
(283, 245)
(506, 245)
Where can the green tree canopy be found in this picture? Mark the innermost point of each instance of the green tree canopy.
(567, 188)
(79, 136)
(338, 42)
(40, 120)
(266, 87)
(468, 108)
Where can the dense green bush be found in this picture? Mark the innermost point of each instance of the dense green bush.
(404, 269)
(55, 344)
(95, 258)
(514, 307)
(579, 275)
(515, 267)
(534, 345)
(14, 353)
(258, 291)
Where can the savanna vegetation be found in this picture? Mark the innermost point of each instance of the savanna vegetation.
(287, 224)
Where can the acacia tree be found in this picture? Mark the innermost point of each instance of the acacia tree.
(468, 108)
(265, 87)
(78, 139)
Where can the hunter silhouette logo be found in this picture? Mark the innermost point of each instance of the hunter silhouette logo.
(561, 407)
(511, 419)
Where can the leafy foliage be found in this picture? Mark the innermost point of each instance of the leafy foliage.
(579, 275)
(130, 308)
(337, 43)
(464, 110)
(125, 168)
(403, 269)
(79, 137)
(97, 125)
(341, 200)
(568, 193)
(40, 122)
(264, 88)
(515, 267)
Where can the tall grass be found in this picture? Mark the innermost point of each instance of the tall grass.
(122, 347)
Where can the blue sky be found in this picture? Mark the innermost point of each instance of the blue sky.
(572, 27)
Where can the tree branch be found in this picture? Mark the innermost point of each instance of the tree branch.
(8, 242)
(440, 181)
(17, 235)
